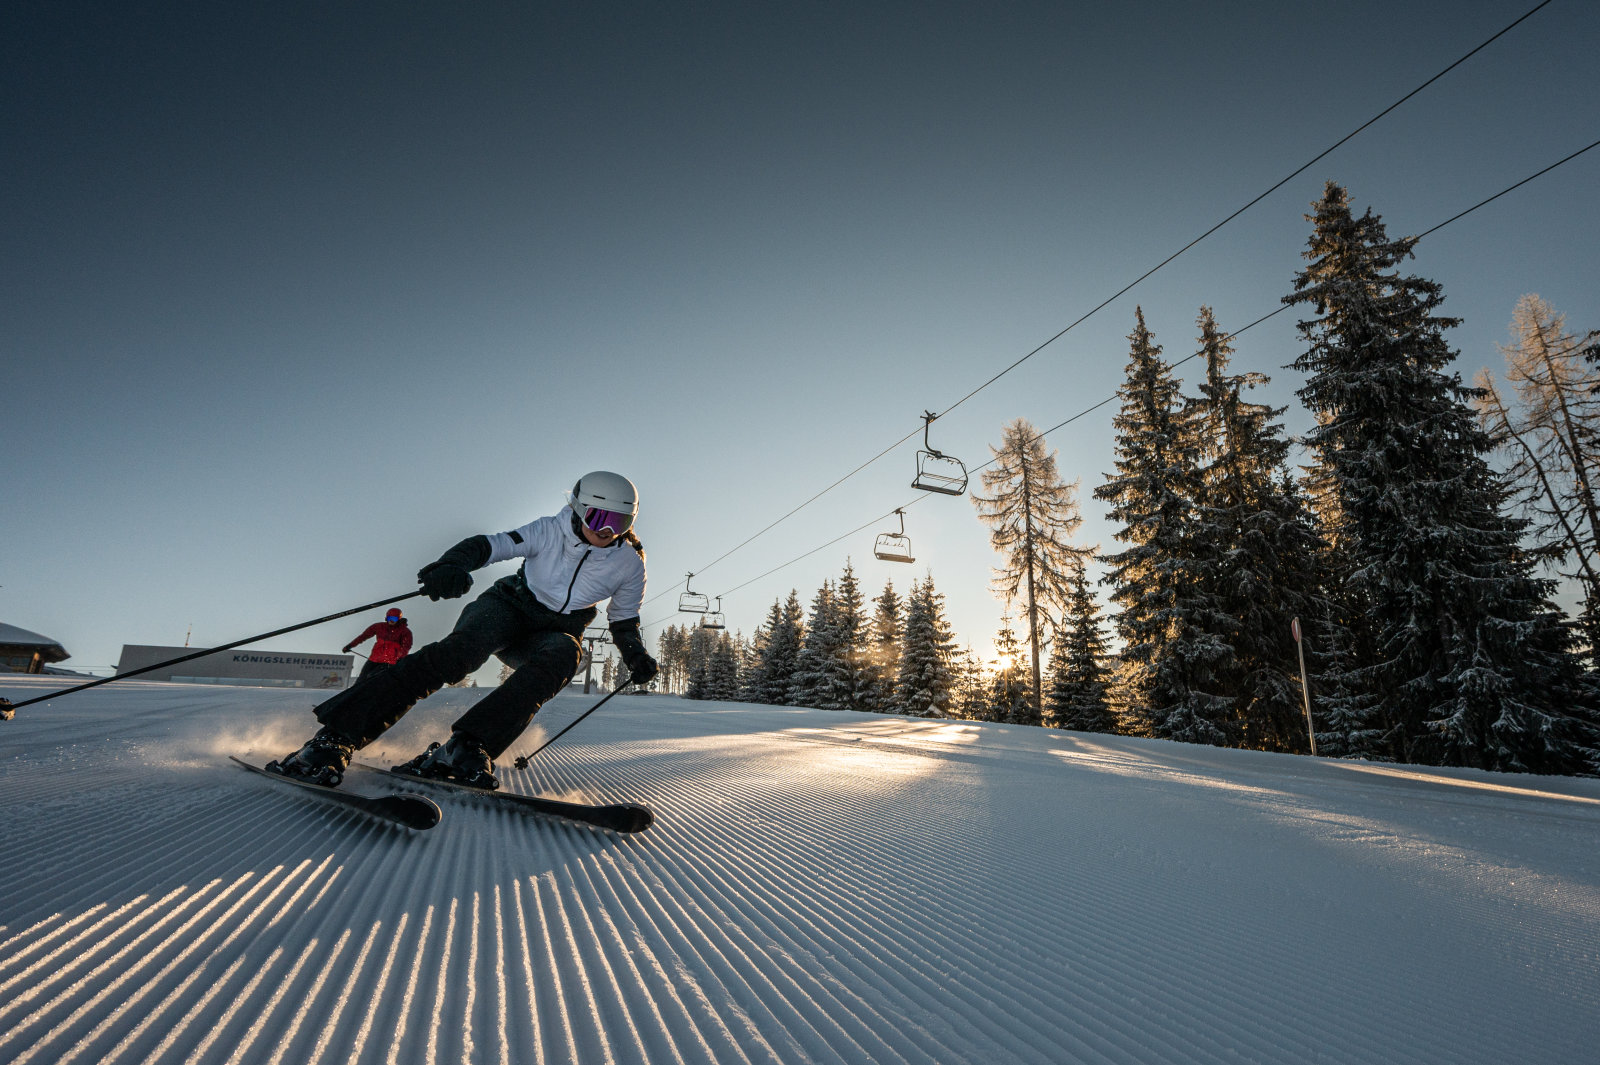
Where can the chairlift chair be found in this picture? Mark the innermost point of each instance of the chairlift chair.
(936, 471)
(692, 602)
(713, 620)
(894, 547)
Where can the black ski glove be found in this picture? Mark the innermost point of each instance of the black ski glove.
(625, 634)
(449, 578)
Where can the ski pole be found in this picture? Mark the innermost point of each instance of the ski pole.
(523, 760)
(7, 708)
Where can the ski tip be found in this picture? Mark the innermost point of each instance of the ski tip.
(631, 817)
(414, 811)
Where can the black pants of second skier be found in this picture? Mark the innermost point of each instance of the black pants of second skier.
(542, 647)
(372, 669)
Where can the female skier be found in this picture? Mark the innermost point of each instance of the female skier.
(533, 620)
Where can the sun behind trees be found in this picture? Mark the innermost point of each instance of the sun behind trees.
(1430, 636)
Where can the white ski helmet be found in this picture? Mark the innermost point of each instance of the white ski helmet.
(610, 494)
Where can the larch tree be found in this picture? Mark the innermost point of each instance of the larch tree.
(1031, 514)
(1457, 655)
(1551, 435)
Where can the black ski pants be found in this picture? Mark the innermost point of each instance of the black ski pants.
(373, 668)
(542, 646)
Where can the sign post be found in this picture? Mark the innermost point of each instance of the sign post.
(1305, 688)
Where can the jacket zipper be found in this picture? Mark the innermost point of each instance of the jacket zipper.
(573, 581)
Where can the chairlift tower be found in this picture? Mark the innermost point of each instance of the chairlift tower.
(936, 471)
(894, 547)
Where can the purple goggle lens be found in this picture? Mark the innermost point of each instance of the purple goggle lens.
(598, 519)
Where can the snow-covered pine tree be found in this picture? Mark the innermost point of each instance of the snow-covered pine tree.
(672, 656)
(783, 652)
(817, 648)
(701, 641)
(971, 689)
(1458, 657)
(1151, 495)
(722, 669)
(1032, 514)
(1254, 556)
(1079, 681)
(885, 646)
(1011, 698)
(845, 677)
(751, 654)
(923, 686)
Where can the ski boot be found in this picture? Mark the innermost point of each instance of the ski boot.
(322, 760)
(461, 760)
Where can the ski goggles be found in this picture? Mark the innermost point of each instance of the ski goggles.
(393, 617)
(600, 520)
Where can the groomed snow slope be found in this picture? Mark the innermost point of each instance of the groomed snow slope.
(819, 887)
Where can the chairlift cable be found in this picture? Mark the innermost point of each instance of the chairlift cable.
(1179, 362)
(1311, 162)
(1126, 288)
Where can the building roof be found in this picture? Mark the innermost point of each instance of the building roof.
(49, 650)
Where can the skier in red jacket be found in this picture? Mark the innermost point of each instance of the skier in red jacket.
(394, 643)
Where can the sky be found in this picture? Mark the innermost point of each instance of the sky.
(296, 298)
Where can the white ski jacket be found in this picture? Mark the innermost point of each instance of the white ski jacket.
(566, 573)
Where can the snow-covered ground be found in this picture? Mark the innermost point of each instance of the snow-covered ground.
(818, 887)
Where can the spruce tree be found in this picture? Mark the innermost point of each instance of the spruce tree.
(722, 669)
(1254, 560)
(925, 677)
(817, 650)
(780, 650)
(1011, 697)
(1079, 681)
(1151, 494)
(970, 695)
(1456, 656)
(885, 646)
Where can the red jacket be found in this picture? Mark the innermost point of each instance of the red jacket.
(394, 641)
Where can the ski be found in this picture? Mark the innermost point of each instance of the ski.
(409, 811)
(618, 817)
